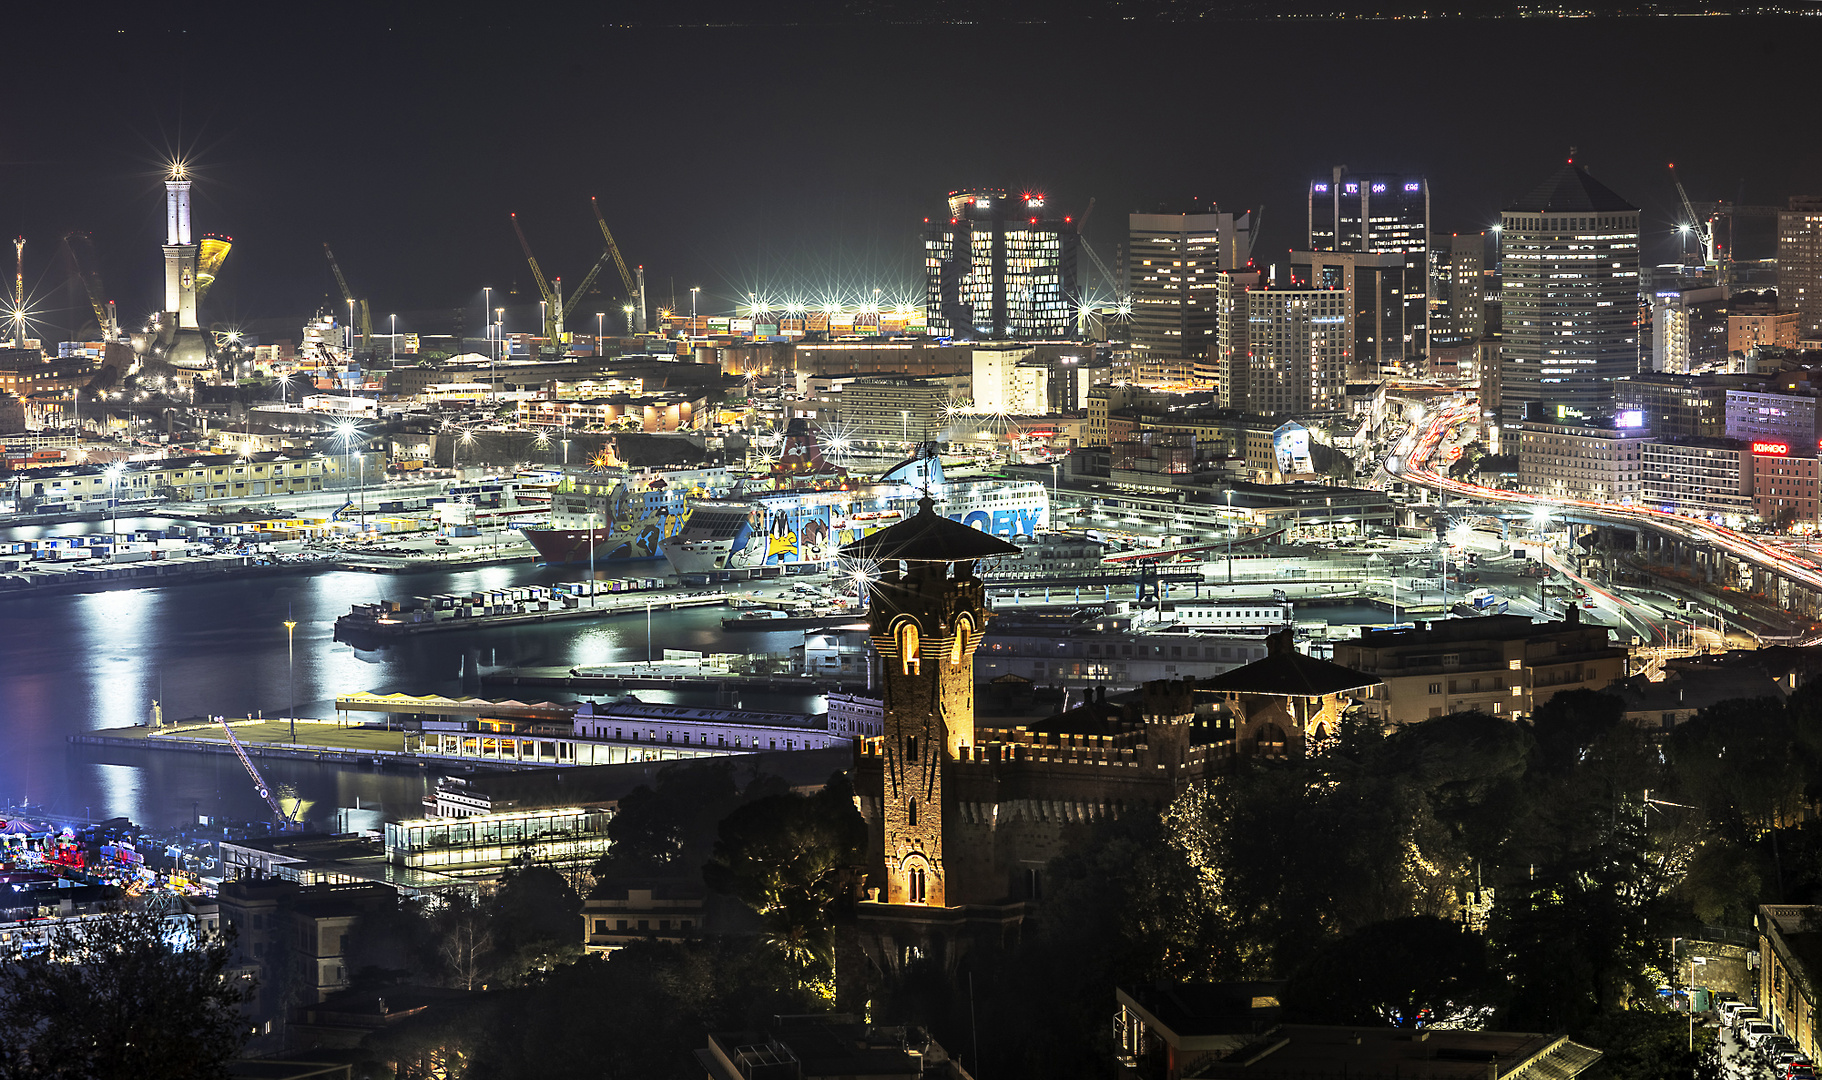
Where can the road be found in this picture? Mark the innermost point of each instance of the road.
(1415, 451)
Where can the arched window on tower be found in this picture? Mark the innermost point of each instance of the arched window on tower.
(907, 648)
(964, 637)
(911, 814)
(915, 892)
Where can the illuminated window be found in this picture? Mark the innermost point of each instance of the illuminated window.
(964, 632)
(907, 648)
(914, 891)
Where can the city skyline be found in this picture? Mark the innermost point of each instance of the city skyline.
(819, 181)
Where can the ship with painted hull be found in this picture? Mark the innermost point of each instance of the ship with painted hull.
(807, 528)
(619, 514)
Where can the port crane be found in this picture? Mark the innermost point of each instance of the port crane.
(91, 282)
(1694, 223)
(635, 291)
(366, 316)
(285, 821)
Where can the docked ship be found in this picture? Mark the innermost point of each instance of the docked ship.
(620, 514)
(808, 526)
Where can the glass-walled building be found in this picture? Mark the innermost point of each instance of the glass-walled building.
(483, 844)
(1385, 213)
(1000, 267)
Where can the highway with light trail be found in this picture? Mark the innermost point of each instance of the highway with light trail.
(1411, 463)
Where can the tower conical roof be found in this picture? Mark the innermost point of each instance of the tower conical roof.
(927, 536)
(1571, 190)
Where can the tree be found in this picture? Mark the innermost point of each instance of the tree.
(670, 828)
(1404, 972)
(536, 921)
(464, 941)
(131, 994)
(792, 859)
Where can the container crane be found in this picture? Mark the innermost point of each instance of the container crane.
(366, 316)
(635, 291)
(553, 298)
(285, 821)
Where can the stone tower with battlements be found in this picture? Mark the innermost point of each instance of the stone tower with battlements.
(926, 614)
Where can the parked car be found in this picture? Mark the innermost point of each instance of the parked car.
(1739, 1016)
(1800, 1069)
(1753, 1030)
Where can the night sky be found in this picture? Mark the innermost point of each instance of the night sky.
(801, 159)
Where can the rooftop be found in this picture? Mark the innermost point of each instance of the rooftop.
(928, 537)
(1570, 189)
(1484, 628)
(1310, 1050)
(1286, 672)
(597, 784)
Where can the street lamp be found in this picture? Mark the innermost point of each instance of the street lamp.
(694, 289)
(291, 674)
(395, 336)
(628, 308)
(486, 306)
(114, 472)
(591, 553)
(500, 331)
(599, 332)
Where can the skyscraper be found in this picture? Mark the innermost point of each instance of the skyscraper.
(1379, 212)
(1374, 283)
(1569, 253)
(999, 267)
(1296, 343)
(1457, 291)
(1800, 262)
(1174, 260)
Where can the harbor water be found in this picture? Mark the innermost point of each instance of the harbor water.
(84, 662)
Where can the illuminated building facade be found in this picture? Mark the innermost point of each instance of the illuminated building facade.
(1296, 345)
(1175, 259)
(1374, 284)
(1570, 290)
(1000, 267)
(1688, 329)
(1383, 213)
(1457, 289)
(1600, 462)
(1800, 262)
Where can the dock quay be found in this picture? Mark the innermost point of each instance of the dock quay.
(91, 577)
(612, 677)
(317, 740)
(515, 606)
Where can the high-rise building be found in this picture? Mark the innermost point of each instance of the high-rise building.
(1382, 213)
(1688, 328)
(1232, 359)
(1457, 289)
(1374, 282)
(1000, 267)
(1296, 343)
(1569, 254)
(1174, 259)
(1800, 262)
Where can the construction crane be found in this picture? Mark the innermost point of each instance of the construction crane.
(1122, 297)
(366, 316)
(91, 282)
(286, 821)
(1693, 223)
(635, 290)
(553, 297)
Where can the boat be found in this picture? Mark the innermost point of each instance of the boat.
(617, 515)
(778, 620)
(805, 527)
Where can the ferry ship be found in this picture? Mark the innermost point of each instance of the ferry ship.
(781, 528)
(620, 514)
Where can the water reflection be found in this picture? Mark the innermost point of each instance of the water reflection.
(75, 663)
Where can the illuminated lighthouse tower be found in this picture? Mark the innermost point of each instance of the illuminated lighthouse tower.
(179, 252)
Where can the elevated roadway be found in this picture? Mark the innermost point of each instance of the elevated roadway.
(1794, 581)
